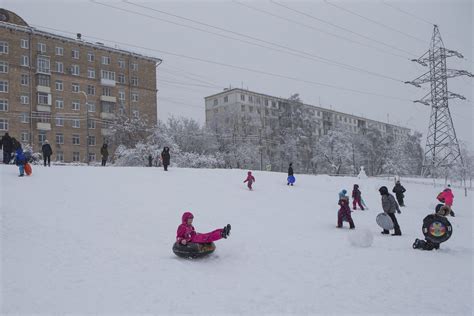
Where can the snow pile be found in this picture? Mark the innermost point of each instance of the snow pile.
(93, 240)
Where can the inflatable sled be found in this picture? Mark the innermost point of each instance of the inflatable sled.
(291, 179)
(28, 169)
(384, 221)
(193, 250)
(436, 228)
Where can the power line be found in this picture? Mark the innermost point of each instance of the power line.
(319, 30)
(407, 13)
(189, 84)
(243, 68)
(290, 51)
(342, 28)
(375, 22)
(190, 75)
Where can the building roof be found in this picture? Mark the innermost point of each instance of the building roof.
(11, 21)
(232, 90)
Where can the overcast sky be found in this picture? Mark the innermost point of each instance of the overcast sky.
(357, 46)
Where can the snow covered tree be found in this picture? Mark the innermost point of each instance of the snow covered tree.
(333, 152)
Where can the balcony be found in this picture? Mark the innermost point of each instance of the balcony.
(107, 82)
(43, 126)
(43, 89)
(43, 108)
(107, 98)
(107, 116)
(106, 132)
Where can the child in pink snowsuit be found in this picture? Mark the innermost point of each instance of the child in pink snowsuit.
(186, 232)
(250, 179)
(344, 214)
(357, 197)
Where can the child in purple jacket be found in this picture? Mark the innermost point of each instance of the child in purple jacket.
(250, 180)
(344, 214)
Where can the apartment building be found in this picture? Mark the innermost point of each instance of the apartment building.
(68, 90)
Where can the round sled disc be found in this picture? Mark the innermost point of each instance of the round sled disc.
(384, 221)
(437, 228)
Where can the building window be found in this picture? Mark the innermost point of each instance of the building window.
(4, 86)
(105, 60)
(134, 96)
(226, 99)
(3, 47)
(121, 96)
(91, 157)
(76, 123)
(250, 108)
(59, 85)
(3, 105)
(59, 121)
(25, 137)
(75, 54)
(76, 140)
(59, 104)
(266, 102)
(59, 138)
(121, 63)
(91, 140)
(104, 74)
(250, 98)
(76, 87)
(121, 78)
(107, 107)
(41, 138)
(3, 67)
(90, 57)
(24, 60)
(24, 118)
(76, 105)
(3, 124)
(215, 102)
(43, 98)
(242, 97)
(59, 67)
(258, 101)
(76, 156)
(43, 80)
(90, 89)
(91, 124)
(25, 80)
(24, 99)
(41, 47)
(91, 73)
(60, 156)
(43, 65)
(242, 108)
(75, 70)
(91, 106)
(24, 43)
(134, 81)
(106, 91)
(134, 66)
(59, 51)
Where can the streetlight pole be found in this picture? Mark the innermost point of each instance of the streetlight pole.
(87, 126)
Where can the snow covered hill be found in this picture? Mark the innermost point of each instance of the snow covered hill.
(91, 240)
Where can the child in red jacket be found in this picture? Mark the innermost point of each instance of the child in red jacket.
(186, 232)
(344, 214)
(250, 179)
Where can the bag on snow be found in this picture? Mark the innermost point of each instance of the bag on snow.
(28, 169)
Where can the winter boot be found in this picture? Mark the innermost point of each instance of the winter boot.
(228, 229)
(397, 233)
(418, 244)
(452, 213)
(224, 232)
(385, 232)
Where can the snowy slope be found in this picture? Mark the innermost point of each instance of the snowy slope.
(98, 240)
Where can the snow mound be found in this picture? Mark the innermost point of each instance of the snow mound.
(362, 238)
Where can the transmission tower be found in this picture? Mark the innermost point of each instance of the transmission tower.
(442, 147)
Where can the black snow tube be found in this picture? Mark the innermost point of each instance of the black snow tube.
(437, 228)
(193, 250)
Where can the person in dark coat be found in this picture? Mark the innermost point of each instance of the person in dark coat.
(165, 157)
(47, 152)
(105, 154)
(290, 174)
(399, 191)
(390, 206)
(7, 146)
(356, 196)
(150, 160)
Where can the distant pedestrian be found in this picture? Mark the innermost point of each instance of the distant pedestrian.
(150, 160)
(399, 191)
(105, 154)
(7, 146)
(357, 197)
(291, 177)
(165, 157)
(250, 180)
(47, 152)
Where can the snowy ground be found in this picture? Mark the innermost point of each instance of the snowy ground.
(92, 240)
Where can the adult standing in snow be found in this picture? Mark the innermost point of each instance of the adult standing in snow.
(165, 157)
(150, 160)
(105, 154)
(291, 177)
(390, 206)
(399, 191)
(47, 152)
(447, 197)
(356, 196)
(7, 146)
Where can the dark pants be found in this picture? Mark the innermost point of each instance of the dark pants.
(356, 202)
(47, 159)
(7, 156)
(104, 161)
(395, 224)
(400, 199)
(165, 166)
(426, 245)
(341, 218)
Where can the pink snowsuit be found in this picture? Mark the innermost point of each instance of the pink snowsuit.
(187, 232)
(344, 213)
(447, 197)
(250, 179)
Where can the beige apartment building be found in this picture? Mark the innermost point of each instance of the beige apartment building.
(67, 90)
